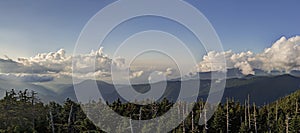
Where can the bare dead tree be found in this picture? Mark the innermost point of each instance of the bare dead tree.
(33, 109)
(249, 113)
(186, 108)
(227, 117)
(276, 111)
(131, 126)
(140, 117)
(246, 120)
(297, 107)
(268, 119)
(178, 110)
(193, 121)
(254, 118)
(205, 120)
(287, 123)
(183, 113)
(70, 118)
(52, 122)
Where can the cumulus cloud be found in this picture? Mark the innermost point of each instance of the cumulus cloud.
(283, 55)
(56, 62)
(161, 75)
(136, 74)
(213, 61)
(169, 72)
(245, 67)
(42, 63)
(59, 64)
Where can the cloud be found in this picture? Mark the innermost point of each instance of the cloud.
(7, 65)
(26, 77)
(169, 72)
(245, 67)
(283, 55)
(213, 61)
(136, 74)
(58, 64)
(42, 63)
(161, 75)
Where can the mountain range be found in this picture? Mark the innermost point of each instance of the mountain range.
(262, 88)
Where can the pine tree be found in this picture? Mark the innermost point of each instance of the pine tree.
(268, 119)
(219, 120)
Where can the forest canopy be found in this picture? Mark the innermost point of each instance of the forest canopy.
(23, 112)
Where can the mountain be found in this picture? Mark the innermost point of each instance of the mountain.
(295, 73)
(44, 94)
(236, 73)
(261, 89)
(231, 73)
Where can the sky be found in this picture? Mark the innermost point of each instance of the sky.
(267, 29)
(31, 26)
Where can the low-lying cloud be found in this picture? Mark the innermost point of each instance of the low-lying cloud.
(26, 77)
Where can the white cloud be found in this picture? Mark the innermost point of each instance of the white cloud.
(161, 75)
(284, 55)
(169, 72)
(136, 74)
(59, 64)
(26, 77)
(212, 60)
(245, 67)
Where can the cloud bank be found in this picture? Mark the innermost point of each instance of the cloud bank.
(26, 77)
(283, 56)
(58, 64)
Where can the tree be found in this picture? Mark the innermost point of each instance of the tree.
(227, 116)
(219, 120)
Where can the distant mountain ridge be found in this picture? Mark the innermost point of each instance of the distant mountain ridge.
(262, 89)
(236, 73)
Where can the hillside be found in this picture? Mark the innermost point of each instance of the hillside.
(280, 116)
(262, 89)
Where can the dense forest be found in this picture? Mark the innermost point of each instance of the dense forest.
(23, 112)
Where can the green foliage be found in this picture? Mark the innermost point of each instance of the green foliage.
(22, 112)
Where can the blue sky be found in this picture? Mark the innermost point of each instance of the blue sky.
(31, 26)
